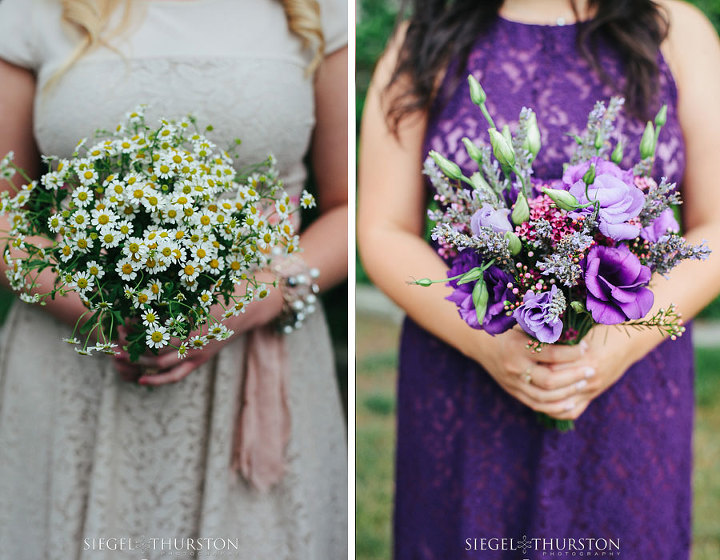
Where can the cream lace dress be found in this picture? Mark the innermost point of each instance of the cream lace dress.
(85, 456)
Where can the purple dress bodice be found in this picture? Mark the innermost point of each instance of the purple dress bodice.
(472, 462)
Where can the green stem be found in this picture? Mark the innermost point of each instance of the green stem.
(487, 116)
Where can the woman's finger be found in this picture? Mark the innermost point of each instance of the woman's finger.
(574, 412)
(542, 397)
(561, 353)
(161, 361)
(551, 379)
(173, 375)
(127, 371)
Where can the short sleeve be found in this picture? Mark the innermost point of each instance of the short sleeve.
(334, 15)
(17, 44)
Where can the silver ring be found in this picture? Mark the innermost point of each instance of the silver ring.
(527, 374)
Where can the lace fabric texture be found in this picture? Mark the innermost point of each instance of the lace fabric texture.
(472, 462)
(87, 456)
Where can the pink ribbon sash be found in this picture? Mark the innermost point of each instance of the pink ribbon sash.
(263, 427)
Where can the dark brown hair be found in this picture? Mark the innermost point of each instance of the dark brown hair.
(441, 30)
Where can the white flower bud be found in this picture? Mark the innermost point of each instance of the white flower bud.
(477, 94)
(502, 149)
(647, 144)
(563, 199)
(449, 168)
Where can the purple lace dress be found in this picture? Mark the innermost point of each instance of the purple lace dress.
(472, 462)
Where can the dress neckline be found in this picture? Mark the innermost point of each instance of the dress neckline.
(572, 25)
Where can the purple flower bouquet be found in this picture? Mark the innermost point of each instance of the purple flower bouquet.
(557, 257)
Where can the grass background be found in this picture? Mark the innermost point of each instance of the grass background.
(376, 360)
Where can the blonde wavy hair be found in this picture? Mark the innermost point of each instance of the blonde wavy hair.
(91, 19)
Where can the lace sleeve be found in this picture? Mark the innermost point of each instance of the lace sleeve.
(17, 37)
(334, 22)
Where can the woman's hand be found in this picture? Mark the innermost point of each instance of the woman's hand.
(168, 367)
(608, 365)
(553, 381)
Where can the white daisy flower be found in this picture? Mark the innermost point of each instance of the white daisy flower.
(126, 270)
(190, 284)
(107, 348)
(136, 116)
(137, 192)
(307, 200)
(261, 292)
(117, 188)
(94, 269)
(83, 282)
(282, 207)
(87, 175)
(218, 331)
(109, 238)
(150, 318)
(80, 219)
(215, 266)
(154, 288)
(141, 298)
(201, 252)
(55, 223)
(124, 229)
(103, 218)
(157, 337)
(66, 252)
(164, 169)
(126, 145)
(190, 271)
(29, 298)
(83, 243)
(96, 152)
(52, 180)
(135, 249)
(205, 298)
(197, 342)
(182, 350)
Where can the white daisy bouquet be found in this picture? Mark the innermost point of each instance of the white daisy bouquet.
(151, 227)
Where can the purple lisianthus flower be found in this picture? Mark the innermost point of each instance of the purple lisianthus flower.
(661, 225)
(620, 200)
(539, 314)
(488, 216)
(617, 285)
(495, 321)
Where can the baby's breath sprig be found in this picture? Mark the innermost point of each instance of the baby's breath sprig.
(667, 320)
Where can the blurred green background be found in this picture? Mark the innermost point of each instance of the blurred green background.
(376, 357)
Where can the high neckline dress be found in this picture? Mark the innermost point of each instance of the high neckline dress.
(472, 462)
(85, 456)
